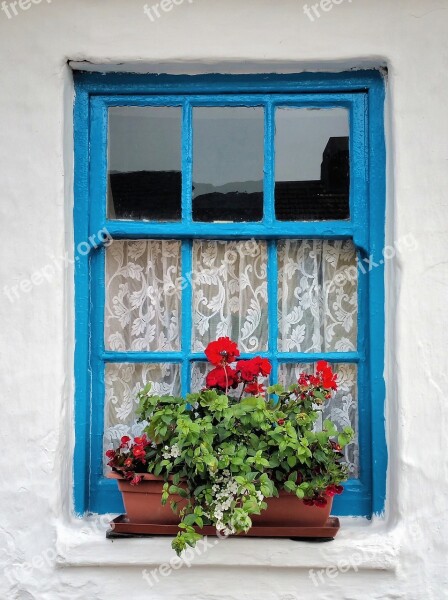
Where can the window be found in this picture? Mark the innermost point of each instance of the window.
(240, 206)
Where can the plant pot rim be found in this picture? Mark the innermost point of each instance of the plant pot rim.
(144, 476)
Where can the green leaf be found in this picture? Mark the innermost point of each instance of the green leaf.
(275, 389)
(343, 439)
(292, 461)
(290, 486)
(329, 426)
(300, 493)
(190, 519)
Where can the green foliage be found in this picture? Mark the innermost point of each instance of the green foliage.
(223, 456)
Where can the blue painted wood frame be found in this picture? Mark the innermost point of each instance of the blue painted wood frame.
(362, 93)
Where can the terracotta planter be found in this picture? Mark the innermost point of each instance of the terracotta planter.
(143, 505)
(142, 502)
(287, 509)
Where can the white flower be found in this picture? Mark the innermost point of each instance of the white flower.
(175, 451)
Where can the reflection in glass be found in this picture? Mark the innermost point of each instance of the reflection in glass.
(228, 163)
(144, 179)
(311, 164)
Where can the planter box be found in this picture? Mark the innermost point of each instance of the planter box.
(287, 509)
(142, 502)
(143, 505)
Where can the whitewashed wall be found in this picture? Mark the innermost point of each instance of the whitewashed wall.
(46, 554)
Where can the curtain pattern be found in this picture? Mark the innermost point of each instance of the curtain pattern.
(230, 293)
(142, 295)
(317, 296)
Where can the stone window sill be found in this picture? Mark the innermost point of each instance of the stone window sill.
(360, 545)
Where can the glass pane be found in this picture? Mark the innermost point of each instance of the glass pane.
(317, 296)
(123, 382)
(230, 293)
(311, 164)
(342, 409)
(228, 164)
(144, 163)
(142, 304)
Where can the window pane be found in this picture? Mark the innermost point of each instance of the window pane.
(317, 296)
(123, 382)
(228, 164)
(342, 409)
(311, 164)
(230, 293)
(145, 163)
(142, 302)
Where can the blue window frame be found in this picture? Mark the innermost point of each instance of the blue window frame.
(362, 94)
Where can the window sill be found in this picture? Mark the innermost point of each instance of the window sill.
(360, 545)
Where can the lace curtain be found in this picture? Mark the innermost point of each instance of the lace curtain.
(230, 294)
(142, 296)
(317, 312)
(317, 296)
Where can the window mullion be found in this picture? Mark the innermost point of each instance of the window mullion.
(269, 154)
(272, 307)
(187, 162)
(187, 314)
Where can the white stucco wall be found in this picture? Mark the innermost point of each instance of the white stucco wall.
(44, 553)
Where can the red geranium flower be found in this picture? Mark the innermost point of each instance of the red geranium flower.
(264, 366)
(248, 369)
(324, 370)
(256, 389)
(221, 352)
(253, 367)
(222, 378)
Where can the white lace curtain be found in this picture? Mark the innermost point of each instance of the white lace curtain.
(142, 304)
(317, 312)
